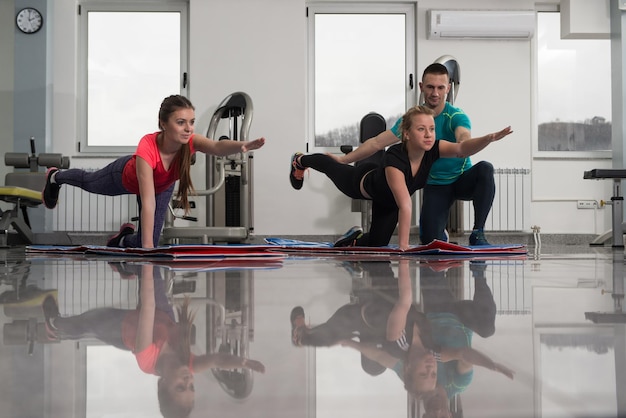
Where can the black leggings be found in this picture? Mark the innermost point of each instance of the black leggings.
(478, 314)
(347, 178)
(476, 184)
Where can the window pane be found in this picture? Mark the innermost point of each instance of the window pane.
(359, 68)
(574, 90)
(134, 61)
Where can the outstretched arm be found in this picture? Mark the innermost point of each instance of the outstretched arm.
(226, 146)
(470, 146)
(372, 352)
(469, 357)
(367, 148)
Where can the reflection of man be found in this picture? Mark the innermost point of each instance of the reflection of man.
(453, 324)
(450, 179)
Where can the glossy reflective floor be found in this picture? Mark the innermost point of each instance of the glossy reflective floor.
(553, 321)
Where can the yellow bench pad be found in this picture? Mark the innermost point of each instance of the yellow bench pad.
(26, 196)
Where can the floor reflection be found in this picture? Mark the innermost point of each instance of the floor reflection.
(314, 337)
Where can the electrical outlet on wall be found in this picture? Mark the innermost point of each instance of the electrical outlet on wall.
(587, 204)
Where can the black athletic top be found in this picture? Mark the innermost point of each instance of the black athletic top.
(375, 183)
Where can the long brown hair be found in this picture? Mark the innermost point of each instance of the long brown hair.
(180, 341)
(169, 105)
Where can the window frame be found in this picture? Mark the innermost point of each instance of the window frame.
(409, 9)
(84, 9)
(553, 155)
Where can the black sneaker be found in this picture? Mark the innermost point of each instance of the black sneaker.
(297, 321)
(349, 238)
(50, 313)
(50, 192)
(296, 173)
(126, 229)
(477, 237)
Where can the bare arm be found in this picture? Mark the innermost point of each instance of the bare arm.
(145, 177)
(372, 352)
(470, 146)
(226, 146)
(397, 318)
(461, 133)
(368, 148)
(145, 326)
(469, 357)
(397, 184)
(227, 362)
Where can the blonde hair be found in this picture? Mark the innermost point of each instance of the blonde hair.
(407, 118)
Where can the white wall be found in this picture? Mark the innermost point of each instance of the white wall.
(6, 77)
(260, 48)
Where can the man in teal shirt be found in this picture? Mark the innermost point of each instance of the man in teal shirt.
(450, 179)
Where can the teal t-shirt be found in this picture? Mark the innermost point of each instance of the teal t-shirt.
(445, 170)
(448, 331)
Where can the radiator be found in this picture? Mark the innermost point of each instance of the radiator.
(511, 205)
(81, 211)
(511, 291)
(103, 288)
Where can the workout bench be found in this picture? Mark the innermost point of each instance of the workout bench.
(617, 201)
(22, 189)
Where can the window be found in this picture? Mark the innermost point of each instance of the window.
(573, 90)
(360, 59)
(133, 56)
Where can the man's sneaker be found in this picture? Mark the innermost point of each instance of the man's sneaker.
(50, 192)
(297, 321)
(126, 229)
(349, 238)
(477, 237)
(296, 173)
(478, 268)
(446, 236)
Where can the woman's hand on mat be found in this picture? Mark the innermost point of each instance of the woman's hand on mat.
(404, 247)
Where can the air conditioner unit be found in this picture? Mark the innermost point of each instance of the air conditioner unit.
(481, 24)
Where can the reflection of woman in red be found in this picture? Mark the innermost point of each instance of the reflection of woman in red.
(161, 345)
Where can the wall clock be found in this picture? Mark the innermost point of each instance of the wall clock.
(29, 20)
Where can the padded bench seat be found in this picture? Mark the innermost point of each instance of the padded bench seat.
(21, 198)
(26, 197)
(605, 173)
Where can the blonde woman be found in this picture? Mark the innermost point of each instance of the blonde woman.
(389, 186)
